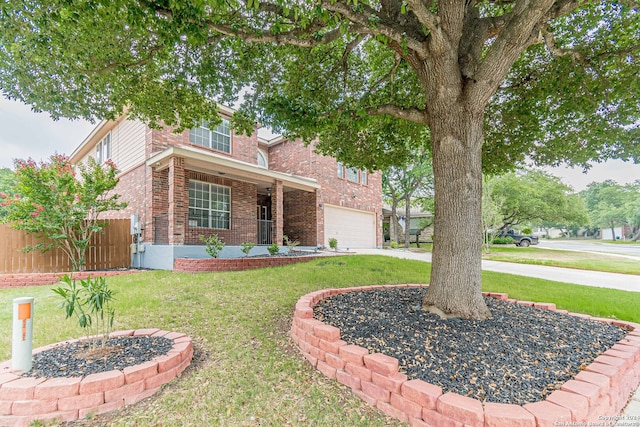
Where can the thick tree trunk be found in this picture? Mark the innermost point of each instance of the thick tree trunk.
(456, 289)
(613, 231)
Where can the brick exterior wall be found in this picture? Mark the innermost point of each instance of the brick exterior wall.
(300, 217)
(292, 157)
(131, 189)
(178, 201)
(243, 147)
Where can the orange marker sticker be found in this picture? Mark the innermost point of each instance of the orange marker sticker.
(24, 311)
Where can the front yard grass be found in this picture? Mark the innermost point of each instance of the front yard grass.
(246, 370)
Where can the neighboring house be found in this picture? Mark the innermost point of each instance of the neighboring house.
(207, 181)
(417, 216)
(621, 233)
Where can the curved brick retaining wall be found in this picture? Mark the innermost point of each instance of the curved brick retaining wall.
(34, 279)
(24, 400)
(600, 391)
(201, 265)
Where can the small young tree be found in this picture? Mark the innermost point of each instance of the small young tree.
(50, 201)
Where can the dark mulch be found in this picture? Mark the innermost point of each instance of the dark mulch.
(78, 360)
(520, 356)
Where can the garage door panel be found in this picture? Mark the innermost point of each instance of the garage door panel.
(352, 228)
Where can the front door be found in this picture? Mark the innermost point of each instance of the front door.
(264, 225)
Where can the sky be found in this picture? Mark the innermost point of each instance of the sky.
(25, 134)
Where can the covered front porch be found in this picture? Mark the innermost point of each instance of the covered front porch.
(207, 193)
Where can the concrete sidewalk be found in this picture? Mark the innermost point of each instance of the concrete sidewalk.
(626, 282)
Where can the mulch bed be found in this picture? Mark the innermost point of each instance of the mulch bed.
(77, 359)
(519, 356)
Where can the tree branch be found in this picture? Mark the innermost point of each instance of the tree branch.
(412, 114)
(550, 41)
(424, 15)
(375, 27)
(112, 66)
(520, 31)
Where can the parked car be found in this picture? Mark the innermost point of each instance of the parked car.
(522, 240)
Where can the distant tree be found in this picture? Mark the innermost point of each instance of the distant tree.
(50, 201)
(534, 197)
(401, 183)
(573, 216)
(633, 209)
(492, 218)
(608, 204)
(7, 181)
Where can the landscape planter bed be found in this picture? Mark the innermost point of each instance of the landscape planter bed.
(202, 265)
(596, 395)
(27, 399)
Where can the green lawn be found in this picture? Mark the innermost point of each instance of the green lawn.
(568, 259)
(247, 370)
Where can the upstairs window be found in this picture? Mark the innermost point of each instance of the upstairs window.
(103, 149)
(218, 138)
(352, 175)
(262, 161)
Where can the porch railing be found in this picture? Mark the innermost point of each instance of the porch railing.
(233, 231)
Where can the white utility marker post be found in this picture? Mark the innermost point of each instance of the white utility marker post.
(22, 342)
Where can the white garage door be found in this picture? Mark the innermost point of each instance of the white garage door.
(352, 228)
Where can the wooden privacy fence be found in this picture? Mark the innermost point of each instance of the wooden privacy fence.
(108, 250)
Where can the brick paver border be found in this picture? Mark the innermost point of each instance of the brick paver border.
(18, 280)
(24, 400)
(203, 265)
(596, 395)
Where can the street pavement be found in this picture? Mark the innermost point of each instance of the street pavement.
(626, 282)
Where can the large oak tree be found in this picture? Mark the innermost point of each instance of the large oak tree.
(503, 81)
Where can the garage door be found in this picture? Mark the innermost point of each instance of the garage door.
(352, 228)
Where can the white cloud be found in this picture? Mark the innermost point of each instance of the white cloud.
(617, 170)
(25, 134)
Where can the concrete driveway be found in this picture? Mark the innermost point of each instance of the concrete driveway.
(625, 282)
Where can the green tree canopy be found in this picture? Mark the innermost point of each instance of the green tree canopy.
(495, 83)
(611, 204)
(534, 197)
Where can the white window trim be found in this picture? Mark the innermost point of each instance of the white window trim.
(103, 149)
(205, 125)
(264, 158)
(209, 210)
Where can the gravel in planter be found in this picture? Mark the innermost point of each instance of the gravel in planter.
(519, 356)
(76, 359)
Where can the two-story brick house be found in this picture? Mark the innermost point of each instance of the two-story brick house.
(207, 181)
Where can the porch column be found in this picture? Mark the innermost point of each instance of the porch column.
(178, 209)
(277, 212)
